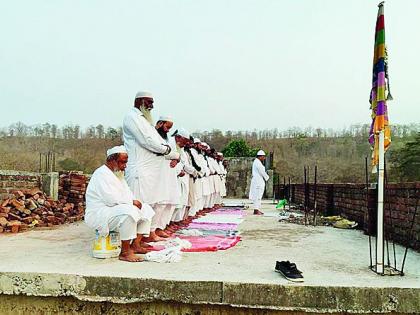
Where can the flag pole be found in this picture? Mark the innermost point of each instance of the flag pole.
(380, 219)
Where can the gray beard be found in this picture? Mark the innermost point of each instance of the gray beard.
(119, 174)
(147, 114)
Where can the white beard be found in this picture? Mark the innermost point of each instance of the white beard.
(147, 114)
(119, 174)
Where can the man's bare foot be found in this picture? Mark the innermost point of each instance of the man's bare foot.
(168, 231)
(161, 233)
(153, 238)
(258, 212)
(145, 245)
(129, 256)
(137, 249)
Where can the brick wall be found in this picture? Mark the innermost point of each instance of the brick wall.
(14, 180)
(356, 203)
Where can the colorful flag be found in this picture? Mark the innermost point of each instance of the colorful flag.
(380, 92)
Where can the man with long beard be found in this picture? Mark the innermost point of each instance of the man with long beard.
(163, 126)
(111, 206)
(147, 168)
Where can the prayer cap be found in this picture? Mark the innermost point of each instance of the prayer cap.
(197, 140)
(117, 149)
(142, 94)
(166, 118)
(220, 153)
(261, 152)
(183, 133)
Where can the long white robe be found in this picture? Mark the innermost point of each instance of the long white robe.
(223, 178)
(200, 182)
(148, 173)
(259, 177)
(108, 196)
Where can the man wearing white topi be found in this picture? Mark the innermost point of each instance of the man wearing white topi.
(259, 177)
(148, 168)
(111, 206)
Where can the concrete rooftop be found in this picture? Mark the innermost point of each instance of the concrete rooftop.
(331, 259)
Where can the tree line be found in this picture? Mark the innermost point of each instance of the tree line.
(339, 154)
(48, 130)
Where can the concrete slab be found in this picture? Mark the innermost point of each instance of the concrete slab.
(334, 262)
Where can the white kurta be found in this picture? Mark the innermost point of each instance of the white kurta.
(108, 196)
(259, 177)
(148, 173)
(199, 182)
(223, 176)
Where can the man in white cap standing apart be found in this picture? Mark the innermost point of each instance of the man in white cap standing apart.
(259, 177)
(111, 206)
(148, 167)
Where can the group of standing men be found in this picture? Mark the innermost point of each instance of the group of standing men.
(154, 184)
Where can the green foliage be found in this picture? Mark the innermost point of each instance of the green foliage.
(239, 148)
(69, 165)
(407, 160)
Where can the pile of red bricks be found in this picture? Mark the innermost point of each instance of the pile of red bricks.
(72, 189)
(32, 208)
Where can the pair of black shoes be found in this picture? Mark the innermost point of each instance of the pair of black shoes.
(289, 271)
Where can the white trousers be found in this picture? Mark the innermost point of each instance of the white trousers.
(162, 217)
(257, 203)
(127, 227)
(167, 216)
(178, 214)
(218, 199)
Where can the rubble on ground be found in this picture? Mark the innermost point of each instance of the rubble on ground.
(33, 208)
(296, 215)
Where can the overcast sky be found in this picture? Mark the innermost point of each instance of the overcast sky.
(225, 64)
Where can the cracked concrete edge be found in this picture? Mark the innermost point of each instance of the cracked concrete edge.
(242, 295)
(110, 289)
(318, 299)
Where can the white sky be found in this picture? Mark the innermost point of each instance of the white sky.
(226, 64)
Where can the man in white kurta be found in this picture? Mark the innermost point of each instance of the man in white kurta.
(111, 206)
(148, 167)
(203, 182)
(163, 127)
(259, 177)
(186, 170)
(223, 175)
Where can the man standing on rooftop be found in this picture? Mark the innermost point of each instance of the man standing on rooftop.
(259, 177)
(149, 155)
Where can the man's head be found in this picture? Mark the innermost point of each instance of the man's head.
(116, 160)
(163, 126)
(182, 138)
(261, 155)
(144, 103)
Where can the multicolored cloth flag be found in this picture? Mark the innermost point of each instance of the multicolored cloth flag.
(380, 92)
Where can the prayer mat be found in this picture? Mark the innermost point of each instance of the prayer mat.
(230, 219)
(220, 232)
(211, 243)
(240, 213)
(213, 226)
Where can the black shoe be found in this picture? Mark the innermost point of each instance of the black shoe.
(289, 271)
(287, 265)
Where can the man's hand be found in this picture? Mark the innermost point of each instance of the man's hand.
(173, 163)
(182, 174)
(137, 203)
